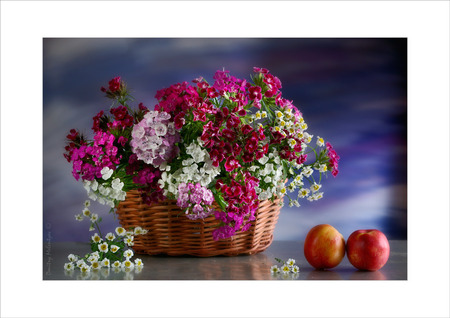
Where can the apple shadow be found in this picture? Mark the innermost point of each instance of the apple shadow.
(367, 275)
(319, 274)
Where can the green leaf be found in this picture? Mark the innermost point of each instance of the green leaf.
(219, 199)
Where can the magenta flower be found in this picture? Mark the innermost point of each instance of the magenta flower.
(231, 164)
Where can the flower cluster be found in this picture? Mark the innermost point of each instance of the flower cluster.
(154, 138)
(110, 251)
(233, 143)
(288, 267)
(195, 199)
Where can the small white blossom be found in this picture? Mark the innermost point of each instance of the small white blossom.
(129, 240)
(320, 142)
(96, 238)
(96, 265)
(87, 203)
(86, 212)
(94, 217)
(116, 184)
(315, 187)
(110, 236)
(114, 248)
(285, 268)
(85, 268)
(274, 269)
(127, 264)
(295, 269)
(103, 247)
(92, 258)
(68, 266)
(138, 262)
(105, 262)
(106, 173)
(116, 264)
(128, 254)
(79, 217)
(72, 258)
(137, 230)
(290, 262)
(120, 231)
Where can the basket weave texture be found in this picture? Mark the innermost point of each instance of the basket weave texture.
(171, 233)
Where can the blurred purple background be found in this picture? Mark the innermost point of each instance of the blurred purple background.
(352, 92)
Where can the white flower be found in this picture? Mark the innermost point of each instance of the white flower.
(68, 266)
(120, 231)
(323, 168)
(285, 268)
(86, 212)
(114, 248)
(116, 264)
(279, 114)
(110, 236)
(79, 217)
(103, 247)
(315, 187)
(80, 263)
(85, 268)
(105, 262)
(290, 262)
(307, 171)
(91, 228)
(96, 238)
(96, 265)
(87, 203)
(94, 185)
(72, 258)
(129, 240)
(127, 264)
(138, 262)
(318, 196)
(92, 258)
(274, 269)
(267, 179)
(295, 269)
(320, 142)
(128, 254)
(94, 217)
(303, 192)
(106, 173)
(137, 230)
(116, 184)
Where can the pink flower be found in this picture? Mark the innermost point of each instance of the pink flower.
(254, 93)
(231, 164)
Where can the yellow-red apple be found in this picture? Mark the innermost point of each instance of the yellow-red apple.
(368, 249)
(324, 247)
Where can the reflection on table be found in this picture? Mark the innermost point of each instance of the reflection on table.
(247, 267)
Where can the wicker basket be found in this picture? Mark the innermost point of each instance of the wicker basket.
(171, 233)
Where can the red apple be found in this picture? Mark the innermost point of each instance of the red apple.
(368, 249)
(324, 247)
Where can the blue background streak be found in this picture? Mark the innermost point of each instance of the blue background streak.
(352, 92)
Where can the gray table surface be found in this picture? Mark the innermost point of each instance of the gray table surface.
(251, 267)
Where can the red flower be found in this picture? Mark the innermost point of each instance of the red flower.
(231, 164)
(114, 84)
(233, 121)
(246, 129)
(180, 120)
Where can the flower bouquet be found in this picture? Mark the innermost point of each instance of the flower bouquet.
(210, 161)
